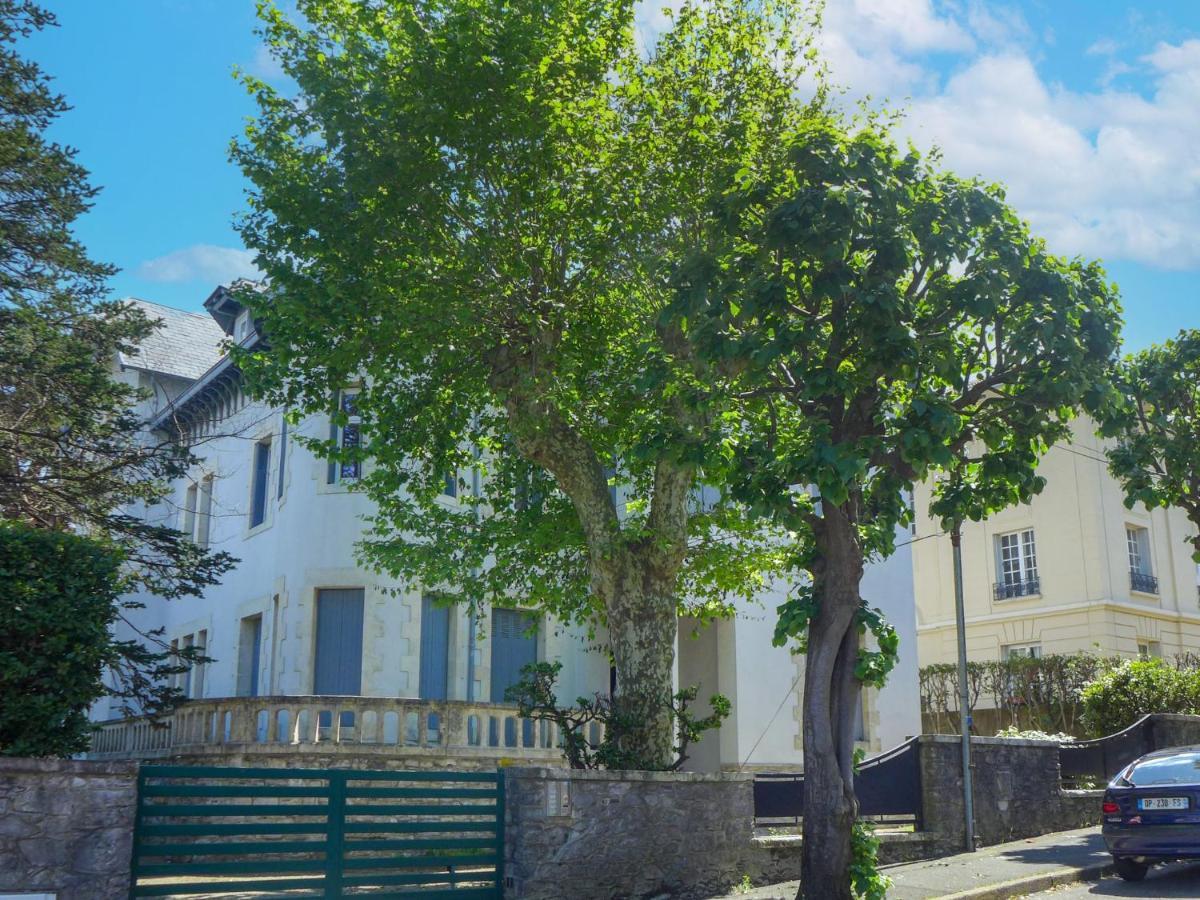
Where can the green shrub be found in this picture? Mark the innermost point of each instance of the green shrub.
(1033, 734)
(58, 597)
(1121, 696)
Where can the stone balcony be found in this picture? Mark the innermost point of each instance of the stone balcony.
(373, 731)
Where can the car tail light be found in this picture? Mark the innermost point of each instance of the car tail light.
(1110, 807)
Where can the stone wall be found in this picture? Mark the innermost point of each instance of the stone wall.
(1016, 791)
(66, 827)
(599, 835)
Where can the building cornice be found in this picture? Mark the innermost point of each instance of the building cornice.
(1084, 605)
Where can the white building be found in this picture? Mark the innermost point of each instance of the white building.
(328, 654)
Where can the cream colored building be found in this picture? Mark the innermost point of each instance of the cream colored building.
(1073, 570)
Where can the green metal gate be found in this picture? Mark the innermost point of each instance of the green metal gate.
(318, 833)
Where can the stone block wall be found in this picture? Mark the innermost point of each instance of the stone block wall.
(1016, 791)
(66, 827)
(585, 834)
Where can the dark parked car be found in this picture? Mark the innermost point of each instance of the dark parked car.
(1152, 811)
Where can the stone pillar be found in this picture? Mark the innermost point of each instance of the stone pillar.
(66, 827)
(602, 834)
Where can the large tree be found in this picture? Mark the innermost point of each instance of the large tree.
(880, 321)
(1156, 424)
(73, 452)
(470, 209)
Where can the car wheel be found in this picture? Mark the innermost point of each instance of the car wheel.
(1128, 869)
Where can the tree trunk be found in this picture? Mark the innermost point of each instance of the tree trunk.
(641, 633)
(830, 704)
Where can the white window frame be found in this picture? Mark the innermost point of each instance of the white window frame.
(345, 472)
(204, 512)
(1017, 564)
(1021, 651)
(1137, 547)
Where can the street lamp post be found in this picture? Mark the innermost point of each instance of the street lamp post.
(964, 707)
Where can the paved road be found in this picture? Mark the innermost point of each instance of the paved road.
(1179, 880)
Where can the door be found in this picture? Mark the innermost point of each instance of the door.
(435, 650)
(338, 666)
(514, 645)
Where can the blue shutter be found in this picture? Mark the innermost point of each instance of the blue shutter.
(331, 470)
(282, 456)
(338, 666)
(513, 647)
(258, 499)
(435, 650)
(255, 654)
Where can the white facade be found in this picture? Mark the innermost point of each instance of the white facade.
(295, 534)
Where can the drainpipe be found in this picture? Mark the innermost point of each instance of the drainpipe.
(964, 705)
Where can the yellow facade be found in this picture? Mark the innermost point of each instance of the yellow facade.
(1075, 591)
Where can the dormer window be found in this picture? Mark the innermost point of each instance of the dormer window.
(241, 326)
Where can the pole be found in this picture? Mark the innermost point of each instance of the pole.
(964, 698)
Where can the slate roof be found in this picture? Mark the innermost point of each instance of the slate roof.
(187, 344)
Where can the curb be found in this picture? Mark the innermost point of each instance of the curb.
(1031, 884)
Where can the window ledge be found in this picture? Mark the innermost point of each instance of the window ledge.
(1017, 599)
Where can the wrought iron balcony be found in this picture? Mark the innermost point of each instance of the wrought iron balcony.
(1143, 583)
(1010, 590)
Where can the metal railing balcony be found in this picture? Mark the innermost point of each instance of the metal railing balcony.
(1140, 581)
(1010, 590)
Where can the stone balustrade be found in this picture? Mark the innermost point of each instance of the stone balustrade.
(333, 726)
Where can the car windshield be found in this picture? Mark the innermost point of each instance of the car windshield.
(1178, 768)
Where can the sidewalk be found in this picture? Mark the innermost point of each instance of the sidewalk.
(993, 873)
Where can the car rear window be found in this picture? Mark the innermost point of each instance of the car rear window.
(1179, 768)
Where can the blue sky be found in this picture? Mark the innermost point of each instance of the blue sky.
(1087, 110)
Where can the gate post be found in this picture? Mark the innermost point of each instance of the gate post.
(134, 845)
(335, 825)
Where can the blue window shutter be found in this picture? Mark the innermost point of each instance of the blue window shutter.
(258, 498)
(435, 650)
(331, 471)
(255, 655)
(338, 665)
(513, 647)
(282, 456)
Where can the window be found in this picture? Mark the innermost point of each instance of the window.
(1141, 573)
(450, 488)
(1149, 650)
(1021, 651)
(1016, 565)
(249, 656)
(282, 456)
(189, 511)
(347, 437)
(258, 483)
(204, 511)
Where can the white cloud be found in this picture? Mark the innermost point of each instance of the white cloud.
(217, 265)
(1112, 173)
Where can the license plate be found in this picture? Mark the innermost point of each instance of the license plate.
(1163, 803)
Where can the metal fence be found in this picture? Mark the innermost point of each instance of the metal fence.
(317, 832)
(888, 788)
(1087, 764)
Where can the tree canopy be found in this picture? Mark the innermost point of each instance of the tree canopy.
(470, 210)
(1156, 424)
(879, 321)
(73, 452)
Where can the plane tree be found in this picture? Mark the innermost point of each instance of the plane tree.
(469, 210)
(878, 322)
